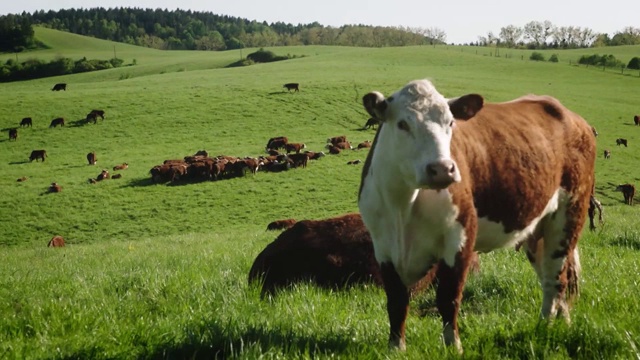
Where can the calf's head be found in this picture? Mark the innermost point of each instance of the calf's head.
(418, 126)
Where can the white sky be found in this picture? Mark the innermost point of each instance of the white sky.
(462, 20)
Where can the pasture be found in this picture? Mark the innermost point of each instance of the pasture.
(159, 271)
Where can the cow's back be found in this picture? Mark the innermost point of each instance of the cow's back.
(518, 154)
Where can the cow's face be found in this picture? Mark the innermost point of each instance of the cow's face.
(418, 126)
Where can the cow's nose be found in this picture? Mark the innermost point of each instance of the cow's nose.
(441, 174)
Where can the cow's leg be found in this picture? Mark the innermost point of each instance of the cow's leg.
(560, 263)
(397, 304)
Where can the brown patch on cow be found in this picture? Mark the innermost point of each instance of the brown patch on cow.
(56, 241)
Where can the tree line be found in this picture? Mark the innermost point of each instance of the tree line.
(192, 30)
(545, 35)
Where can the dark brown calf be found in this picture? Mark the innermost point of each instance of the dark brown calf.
(57, 121)
(337, 139)
(299, 159)
(56, 241)
(628, 191)
(26, 122)
(281, 224)
(292, 86)
(334, 149)
(91, 158)
(282, 139)
(13, 134)
(38, 154)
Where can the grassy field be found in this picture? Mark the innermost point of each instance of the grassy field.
(159, 271)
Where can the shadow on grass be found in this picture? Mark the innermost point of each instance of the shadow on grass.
(79, 123)
(140, 182)
(214, 341)
(279, 93)
(19, 162)
(628, 241)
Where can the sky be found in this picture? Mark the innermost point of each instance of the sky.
(462, 20)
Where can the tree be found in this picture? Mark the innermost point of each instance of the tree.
(510, 35)
(634, 63)
(435, 35)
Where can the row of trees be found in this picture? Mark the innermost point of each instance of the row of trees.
(189, 30)
(35, 68)
(16, 33)
(543, 35)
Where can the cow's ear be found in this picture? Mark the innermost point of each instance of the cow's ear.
(375, 104)
(465, 107)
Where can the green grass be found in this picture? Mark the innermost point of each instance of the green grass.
(158, 271)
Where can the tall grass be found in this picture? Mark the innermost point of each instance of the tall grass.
(159, 271)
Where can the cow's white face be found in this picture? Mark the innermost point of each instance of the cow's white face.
(417, 131)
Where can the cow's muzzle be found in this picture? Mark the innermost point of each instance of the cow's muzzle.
(441, 174)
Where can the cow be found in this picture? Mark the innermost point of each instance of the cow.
(104, 174)
(337, 139)
(91, 158)
(607, 154)
(22, 179)
(621, 141)
(281, 224)
(636, 120)
(371, 123)
(57, 121)
(277, 142)
(55, 188)
(332, 253)
(594, 131)
(13, 134)
(299, 159)
(60, 86)
(354, 162)
(204, 153)
(292, 86)
(116, 176)
(315, 155)
(628, 191)
(97, 113)
(344, 145)
(56, 241)
(436, 187)
(91, 117)
(364, 145)
(334, 149)
(37, 154)
(26, 122)
(290, 147)
(121, 167)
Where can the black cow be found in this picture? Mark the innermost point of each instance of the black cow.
(13, 134)
(26, 122)
(98, 113)
(621, 141)
(57, 121)
(91, 158)
(38, 154)
(292, 86)
(372, 123)
(60, 86)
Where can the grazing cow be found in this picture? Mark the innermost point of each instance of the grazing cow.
(97, 113)
(60, 86)
(636, 120)
(628, 191)
(365, 144)
(277, 143)
(26, 122)
(593, 205)
(116, 176)
(371, 123)
(607, 154)
(354, 162)
(55, 188)
(92, 117)
(621, 141)
(281, 224)
(24, 178)
(56, 241)
(333, 253)
(337, 139)
(430, 193)
(104, 174)
(57, 121)
(299, 159)
(121, 166)
(91, 158)
(292, 86)
(13, 134)
(294, 147)
(37, 154)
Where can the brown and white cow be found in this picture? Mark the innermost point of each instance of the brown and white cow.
(446, 177)
(56, 241)
(91, 158)
(628, 192)
(55, 188)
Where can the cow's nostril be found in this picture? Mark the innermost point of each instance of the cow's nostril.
(452, 169)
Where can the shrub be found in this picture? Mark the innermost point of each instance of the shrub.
(634, 63)
(536, 56)
(264, 56)
(554, 58)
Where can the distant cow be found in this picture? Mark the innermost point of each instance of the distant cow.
(204, 153)
(354, 162)
(594, 131)
(365, 144)
(337, 139)
(281, 224)
(60, 86)
(91, 117)
(38, 154)
(21, 179)
(26, 122)
(116, 176)
(56, 241)
(290, 147)
(607, 154)
(628, 191)
(344, 145)
(104, 174)
(121, 166)
(292, 86)
(621, 141)
(57, 121)
(299, 160)
(314, 155)
(636, 120)
(13, 134)
(97, 113)
(371, 123)
(55, 188)
(91, 158)
(277, 142)
(333, 149)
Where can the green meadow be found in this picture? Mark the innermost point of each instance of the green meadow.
(154, 271)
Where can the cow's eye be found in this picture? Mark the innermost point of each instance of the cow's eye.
(402, 125)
